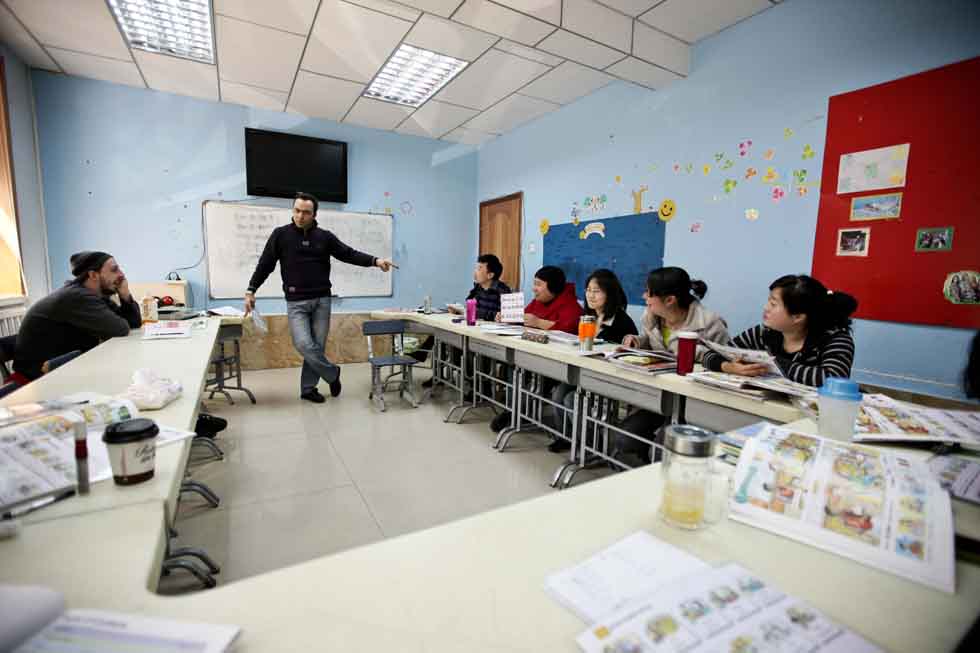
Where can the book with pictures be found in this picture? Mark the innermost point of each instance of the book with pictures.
(745, 355)
(637, 360)
(959, 476)
(880, 508)
(724, 608)
(882, 418)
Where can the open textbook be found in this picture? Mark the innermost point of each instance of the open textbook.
(35, 621)
(884, 419)
(723, 609)
(745, 355)
(37, 456)
(638, 360)
(754, 387)
(879, 508)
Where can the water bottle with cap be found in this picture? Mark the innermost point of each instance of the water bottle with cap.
(695, 494)
(840, 402)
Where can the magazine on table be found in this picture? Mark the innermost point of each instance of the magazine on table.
(878, 507)
(723, 609)
(638, 360)
(745, 355)
(884, 419)
(37, 456)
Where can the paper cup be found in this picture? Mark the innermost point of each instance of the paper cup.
(132, 450)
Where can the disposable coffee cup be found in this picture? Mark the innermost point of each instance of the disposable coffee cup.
(132, 450)
(687, 342)
(840, 402)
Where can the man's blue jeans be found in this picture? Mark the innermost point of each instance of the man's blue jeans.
(309, 324)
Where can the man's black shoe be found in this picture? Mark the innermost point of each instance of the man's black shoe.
(314, 396)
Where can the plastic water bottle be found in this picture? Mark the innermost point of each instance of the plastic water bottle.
(471, 312)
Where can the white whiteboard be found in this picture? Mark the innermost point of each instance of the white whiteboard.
(235, 235)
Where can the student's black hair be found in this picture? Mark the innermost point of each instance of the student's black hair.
(824, 309)
(971, 376)
(615, 295)
(300, 195)
(664, 282)
(493, 265)
(554, 277)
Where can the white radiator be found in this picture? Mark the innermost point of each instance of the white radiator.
(10, 319)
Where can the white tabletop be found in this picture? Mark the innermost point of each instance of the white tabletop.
(108, 369)
(475, 584)
(775, 410)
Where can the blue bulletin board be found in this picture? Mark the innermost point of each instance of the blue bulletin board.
(629, 245)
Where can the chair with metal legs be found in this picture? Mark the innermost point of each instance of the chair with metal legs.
(401, 376)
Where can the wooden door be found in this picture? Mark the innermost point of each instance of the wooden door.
(500, 234)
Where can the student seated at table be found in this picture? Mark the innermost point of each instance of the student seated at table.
(805, 326)
(554, 308)
(673, 306)
(77, 316)
(487, 289)
(606, 300)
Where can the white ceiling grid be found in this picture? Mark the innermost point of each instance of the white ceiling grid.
(316, 57)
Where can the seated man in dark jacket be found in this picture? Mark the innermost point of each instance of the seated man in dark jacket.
(77, 316)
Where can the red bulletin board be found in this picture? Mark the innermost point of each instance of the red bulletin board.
(938, 113)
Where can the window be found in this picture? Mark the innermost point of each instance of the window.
(11, 273)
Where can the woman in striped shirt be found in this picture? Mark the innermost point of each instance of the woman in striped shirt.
(805, 326)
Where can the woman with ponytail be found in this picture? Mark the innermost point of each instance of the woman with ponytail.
(805, 326)
(673, 306)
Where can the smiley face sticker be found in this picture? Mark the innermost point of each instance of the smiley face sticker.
(667, 210)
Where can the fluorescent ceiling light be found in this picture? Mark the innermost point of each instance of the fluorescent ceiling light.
(412, 76)
(178, 27)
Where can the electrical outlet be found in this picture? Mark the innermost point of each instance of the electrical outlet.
(532, 248)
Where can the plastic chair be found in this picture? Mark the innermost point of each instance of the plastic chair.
(379, 385)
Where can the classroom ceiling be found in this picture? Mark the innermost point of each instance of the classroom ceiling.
(316, 57)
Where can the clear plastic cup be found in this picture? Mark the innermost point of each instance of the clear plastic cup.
(840, 402)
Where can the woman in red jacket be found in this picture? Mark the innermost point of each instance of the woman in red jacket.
(554, 306)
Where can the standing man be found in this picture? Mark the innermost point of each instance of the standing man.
(77, 316)
(303, 251)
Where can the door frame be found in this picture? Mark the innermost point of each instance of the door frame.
(519, 195)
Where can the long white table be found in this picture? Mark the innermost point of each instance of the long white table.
(108, 369)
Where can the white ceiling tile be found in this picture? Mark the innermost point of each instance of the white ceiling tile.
(390, 8)
(692, 20)
(574, 47)
(176, 75)
(289, 15)
(449, 38)
(85, 26)
(661, 49)
(491, 78)
(443, 8)
(634, 70)
(434, 119)
(566, 83)
(96, 67)
(352, 42)
(13, 34)
(323, 97)
(528, 53)
(468, 136)
(376, 114)
(547, 10)
(631, 7)
(597, 22)
(502, 21)
(257, 55)
(251, 96)
(511, 113)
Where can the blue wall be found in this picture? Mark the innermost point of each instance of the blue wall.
(752, 81)
(125, 171)
(30, 216)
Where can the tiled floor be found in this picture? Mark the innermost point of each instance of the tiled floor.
(301, 480)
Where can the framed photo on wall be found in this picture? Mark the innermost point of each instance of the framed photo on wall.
(934, 239)
(876, 207)
(853, 242)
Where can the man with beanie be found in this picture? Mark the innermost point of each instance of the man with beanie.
(303, 250)
(78, 316)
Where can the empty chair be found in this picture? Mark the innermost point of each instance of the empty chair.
(401, 366)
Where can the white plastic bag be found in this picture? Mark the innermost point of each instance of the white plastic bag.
(258, 322)
(151, 391)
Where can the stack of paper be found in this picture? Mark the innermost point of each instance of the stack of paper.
(880, 508)
(171, 329)
(958, 476)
